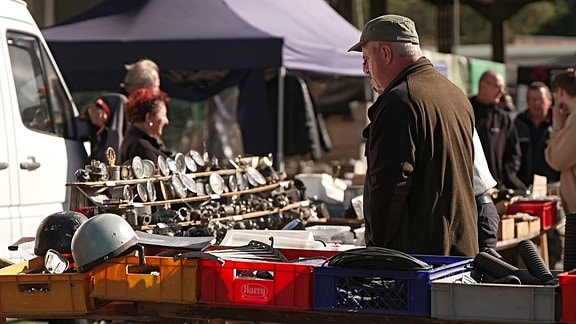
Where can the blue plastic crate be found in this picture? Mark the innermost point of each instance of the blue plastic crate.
(394, 292)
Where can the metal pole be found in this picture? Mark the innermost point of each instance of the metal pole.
(48, 12)
(456, 26)
(359, 11)
(280, 134)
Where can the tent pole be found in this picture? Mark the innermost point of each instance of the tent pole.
(280, 144)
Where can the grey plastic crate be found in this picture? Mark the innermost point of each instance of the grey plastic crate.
(453, 299)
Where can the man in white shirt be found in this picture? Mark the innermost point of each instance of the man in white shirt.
(488, 218)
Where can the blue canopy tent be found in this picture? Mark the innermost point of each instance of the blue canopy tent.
(93, 47)
(246, 37)
(316, 37)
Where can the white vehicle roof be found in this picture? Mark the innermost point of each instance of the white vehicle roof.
(15, 9)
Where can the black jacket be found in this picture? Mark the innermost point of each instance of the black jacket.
(419, 195)
(113, 133)
(138, 143)
(533, 142)
(499, 139)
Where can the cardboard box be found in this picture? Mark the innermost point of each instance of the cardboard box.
(521, 229)
(535, 225)
(506, 229)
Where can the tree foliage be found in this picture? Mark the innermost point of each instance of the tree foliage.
(539, 18)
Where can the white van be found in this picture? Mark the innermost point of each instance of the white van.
(39, 152)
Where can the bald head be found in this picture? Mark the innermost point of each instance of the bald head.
(491, 87)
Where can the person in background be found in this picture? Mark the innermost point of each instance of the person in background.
(507, 103)
(488, 218)
(418, 192)
(497, 131)
(106, 118)
(148, 115)
(561, 151)
(534, 126)
(142, 74)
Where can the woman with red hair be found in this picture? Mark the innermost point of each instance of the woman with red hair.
(147, 113)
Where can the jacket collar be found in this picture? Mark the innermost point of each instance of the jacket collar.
(418, 65)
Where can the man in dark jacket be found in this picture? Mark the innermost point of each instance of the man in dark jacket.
(418, 193)
(497, 131)
(534, 127)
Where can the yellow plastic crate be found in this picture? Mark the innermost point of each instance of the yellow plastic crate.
(161, 279)
(26, 291)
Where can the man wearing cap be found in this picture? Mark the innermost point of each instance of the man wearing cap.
(418, 194)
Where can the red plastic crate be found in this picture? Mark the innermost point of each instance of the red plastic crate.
(568, 290)
(291, 285)
(547, 210)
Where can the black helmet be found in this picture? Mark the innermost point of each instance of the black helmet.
(100, 238)
(56, 232)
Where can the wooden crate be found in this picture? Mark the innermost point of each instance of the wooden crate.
(506, 229)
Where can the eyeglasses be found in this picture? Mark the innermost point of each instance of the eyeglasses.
(494, 84)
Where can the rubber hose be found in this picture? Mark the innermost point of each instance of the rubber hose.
(570, 242)
(493, 252)
(527, 278)
(509, 280)
(492, 266)
(533, 261)
(498, 269)
(477, 275)
(480, 276)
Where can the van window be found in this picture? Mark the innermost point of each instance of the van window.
(44, 105)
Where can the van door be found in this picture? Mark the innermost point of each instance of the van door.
(42, 122)
(9, 198)
(7, 176)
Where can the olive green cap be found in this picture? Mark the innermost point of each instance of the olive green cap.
(392, 28)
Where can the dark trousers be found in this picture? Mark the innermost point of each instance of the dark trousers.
(488, 220)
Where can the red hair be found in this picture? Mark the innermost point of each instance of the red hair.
(143, 101)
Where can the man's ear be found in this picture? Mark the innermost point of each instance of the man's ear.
(386, 52)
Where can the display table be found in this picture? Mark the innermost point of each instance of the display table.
(178, 313)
